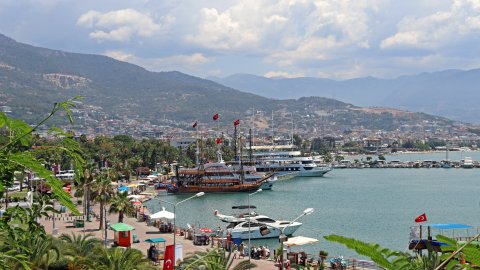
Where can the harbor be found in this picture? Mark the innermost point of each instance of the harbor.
(347, 202)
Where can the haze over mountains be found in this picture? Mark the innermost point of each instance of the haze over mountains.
(32, 79)
(454, 94)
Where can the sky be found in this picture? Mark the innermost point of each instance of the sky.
(291, 38)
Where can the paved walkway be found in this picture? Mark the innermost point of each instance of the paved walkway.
(64, 224)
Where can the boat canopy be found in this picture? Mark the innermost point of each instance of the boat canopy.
(450, 226)
(244, 207)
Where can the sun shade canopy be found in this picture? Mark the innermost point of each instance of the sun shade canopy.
(156, 240)
(122, 227)
(450, 226)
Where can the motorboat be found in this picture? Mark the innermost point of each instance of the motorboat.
(250, 225)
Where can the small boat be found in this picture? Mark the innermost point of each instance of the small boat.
(254, 226)
(418, 243)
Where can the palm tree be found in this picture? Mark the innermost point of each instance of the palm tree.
(214, 259)
(43, 251)
(121, 259)
(381, 256)
(121, 204)
(85, 186)
(389, 259)
(79, 249)
(102, 193)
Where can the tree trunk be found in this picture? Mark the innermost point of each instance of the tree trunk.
(120, 216)
(100, 227)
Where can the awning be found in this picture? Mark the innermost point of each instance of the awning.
(123, 188)
(450, 226)
(156, 240)
(300, 241)
(122, 227)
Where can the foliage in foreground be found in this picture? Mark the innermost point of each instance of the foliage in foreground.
(214, 259)
(16, 138)
(396, 260)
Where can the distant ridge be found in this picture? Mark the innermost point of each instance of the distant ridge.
(32, 78)
(450, 93)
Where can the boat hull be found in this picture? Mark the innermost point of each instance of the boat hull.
(254, 233)
(317, 172)
(214, 189)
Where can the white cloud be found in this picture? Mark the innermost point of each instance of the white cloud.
(121, 56)
(436, 30)
(122, 25)
(287, 33)
(284, 74)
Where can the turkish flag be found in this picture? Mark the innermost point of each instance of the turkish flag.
(421, 218)
(169, 259)
(194, 124)
(219, 140)
(215, 117)
(237, 122)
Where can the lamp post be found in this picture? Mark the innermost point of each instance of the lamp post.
(249, 216)
(282, 237)
(174, 218)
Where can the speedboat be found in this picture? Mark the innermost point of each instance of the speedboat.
(250, 225)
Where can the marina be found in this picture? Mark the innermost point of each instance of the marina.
(370, 205)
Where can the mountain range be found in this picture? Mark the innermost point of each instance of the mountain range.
(33, 78)
(451, 93)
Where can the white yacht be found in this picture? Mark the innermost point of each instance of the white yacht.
(467, 163)
(254, 226)
(288, 162)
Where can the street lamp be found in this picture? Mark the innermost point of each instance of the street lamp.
(249, 216)
(282, 237)
(199, 194)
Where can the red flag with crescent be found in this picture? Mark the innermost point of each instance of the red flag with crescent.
(421, 218)
(236, 122)
(219, 140)
(169, 260)
(215, 117)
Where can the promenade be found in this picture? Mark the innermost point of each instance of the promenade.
(64, 224)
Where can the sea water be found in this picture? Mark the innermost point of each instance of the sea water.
(372, 205)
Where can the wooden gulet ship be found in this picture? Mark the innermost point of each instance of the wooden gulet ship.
(217, 177)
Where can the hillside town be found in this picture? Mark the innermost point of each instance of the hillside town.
(279, 128)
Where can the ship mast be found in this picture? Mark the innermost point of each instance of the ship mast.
(242, 173)
(197, 151)
(250, 154)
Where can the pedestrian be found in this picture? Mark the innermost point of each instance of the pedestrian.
(235, 251)
(242, 251)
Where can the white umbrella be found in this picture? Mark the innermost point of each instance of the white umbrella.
(299, 241)
(163, 214)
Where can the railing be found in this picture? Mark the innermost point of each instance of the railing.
(348, 263)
